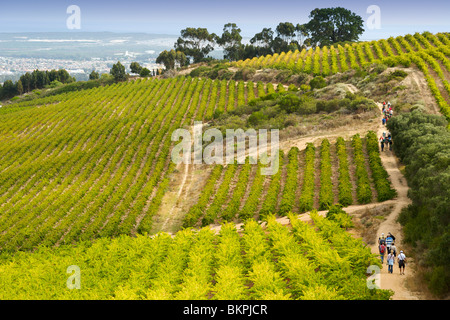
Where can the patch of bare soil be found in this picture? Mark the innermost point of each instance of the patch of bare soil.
(184, 190)
(416, 80)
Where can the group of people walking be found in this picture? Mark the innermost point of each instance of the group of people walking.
(386, 245)
(388, 112)
(386, 139)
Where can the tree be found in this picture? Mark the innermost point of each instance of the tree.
(135, 68)
(196, 43)
(9, 89)
(172, 58)
(261, 44)
(286, 38)
(19, 87)
(144, 72)
(118, 72)
(94, 75)
(26, 81)
(332, 25)
(231, 41)
(301, 33)
(286, 31)
(64, 76)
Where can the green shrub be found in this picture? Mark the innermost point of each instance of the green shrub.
(305, 88)
(256, 118)
(199, 71)
(397, 75)
(290, 103)
(318, 83)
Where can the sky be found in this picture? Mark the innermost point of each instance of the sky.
(397, 17)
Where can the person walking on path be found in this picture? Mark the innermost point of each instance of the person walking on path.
(382, 249)
(394, 249)
(389, 142)
(402, 262)
(382, 240)
(390, 262)
(389, 241)
(391, 235)
(382, 143)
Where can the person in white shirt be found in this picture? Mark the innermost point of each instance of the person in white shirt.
(390, 262)
(401, 262)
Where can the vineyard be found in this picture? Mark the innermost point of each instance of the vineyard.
(303, 261)
(427, 51)
(83, 175)
(239, 192)
(96, 163)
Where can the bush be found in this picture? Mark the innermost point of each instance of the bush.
(342, 218)
(305, 88)
(318, 83)
(256, 118)
(290, 103)
(439, 280)
(244, 74)
(199, 71)
(397, 75)
(144, 72)
(379, 68)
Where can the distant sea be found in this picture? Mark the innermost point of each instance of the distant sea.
(85, 47)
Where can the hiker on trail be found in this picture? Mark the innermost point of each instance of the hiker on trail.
(382, 143)
(390, 262)
(389, 241)
(383, 121)
(382, 239)
(402, 262)
(389, 141)
(391, 113)
(391, 235)
(394, 249)
(382, 249)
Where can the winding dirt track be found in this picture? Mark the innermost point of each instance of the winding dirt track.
(395, 281)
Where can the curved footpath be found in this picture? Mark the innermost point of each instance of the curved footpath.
(395, 281)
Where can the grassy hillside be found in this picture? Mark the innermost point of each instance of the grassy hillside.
(426, 51)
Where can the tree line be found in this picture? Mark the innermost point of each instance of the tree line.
(55, 78)
(34, 80)
(326, 26)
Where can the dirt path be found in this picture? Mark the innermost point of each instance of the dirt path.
(396, 282)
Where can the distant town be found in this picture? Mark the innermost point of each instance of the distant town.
(13, 68)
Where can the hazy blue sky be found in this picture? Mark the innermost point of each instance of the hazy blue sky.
(398, 17)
